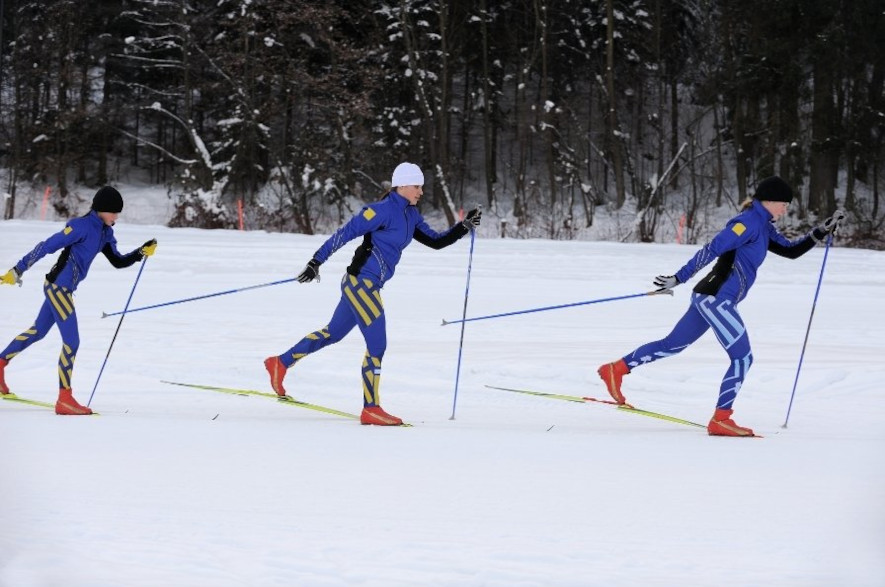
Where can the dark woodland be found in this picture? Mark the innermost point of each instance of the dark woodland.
(542, 111)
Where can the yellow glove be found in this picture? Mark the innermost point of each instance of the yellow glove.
(11, 277)
(148, 248)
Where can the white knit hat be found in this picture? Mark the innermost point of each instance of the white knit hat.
(407, 174)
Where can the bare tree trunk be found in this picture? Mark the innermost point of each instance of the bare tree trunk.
(720, 165)
(821, 187)
(615, 143)
(65, 79)
(441, 116)
(875, 188)
(545, 126)
(661, 83)
(432, 126)
(674, 124)
(741, 171)
(488, 151)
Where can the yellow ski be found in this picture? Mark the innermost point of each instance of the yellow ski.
(11, 397)
(581, 399)
(23, 400)
(288, 400)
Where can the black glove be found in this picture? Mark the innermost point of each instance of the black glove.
(831, 224)
(473, 218)
(311, 272)
(663, 282)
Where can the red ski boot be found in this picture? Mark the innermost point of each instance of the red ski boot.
(375, 415)
(277, 372)
(4, 389)
(611, 374)
(68, 406)
(722, 425)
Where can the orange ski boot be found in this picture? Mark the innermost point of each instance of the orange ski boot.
(375, 415)
(4, 389)
(277, 372)
(722, 425)
(68, 406)
(611, 374)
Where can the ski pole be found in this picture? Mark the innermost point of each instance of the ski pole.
(212, 295)
(119, 324)
(545, 308)
(808, 328)
(463, 321)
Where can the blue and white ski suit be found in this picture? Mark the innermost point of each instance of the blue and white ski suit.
(82, 239)
(388, 227)
(739, 249)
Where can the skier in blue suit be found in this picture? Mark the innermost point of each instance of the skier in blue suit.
(387, 228)
(82, 239)
(739, 250)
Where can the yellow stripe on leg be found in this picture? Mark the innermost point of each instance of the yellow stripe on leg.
(59, 304)
(357, 306)
(369, 303)
(371, 379)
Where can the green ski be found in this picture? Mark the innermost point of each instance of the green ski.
(280, 399)
(581, 399)
(23, 400)
(11, 397)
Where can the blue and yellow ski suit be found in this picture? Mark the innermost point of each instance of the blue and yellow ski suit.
(387, 228)
(739, 250)
(82, 239)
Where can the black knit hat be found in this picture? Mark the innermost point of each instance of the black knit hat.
(107, 199)
(774, 189)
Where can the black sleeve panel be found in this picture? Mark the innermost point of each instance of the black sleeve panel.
(710, 284)
(445, 240)
(793, 252)
(124, 261)
(361, 255)
(59, 265)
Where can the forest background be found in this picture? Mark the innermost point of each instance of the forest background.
(547, 112)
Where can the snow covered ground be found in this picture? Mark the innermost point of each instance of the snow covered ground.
(188, 488)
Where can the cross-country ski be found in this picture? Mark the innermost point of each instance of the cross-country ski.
(582, 399)
(286, 400)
